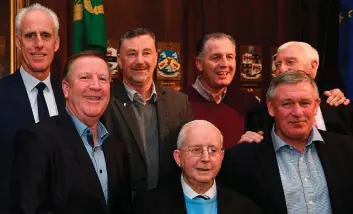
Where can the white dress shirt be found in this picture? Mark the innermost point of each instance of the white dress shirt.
(30, 83)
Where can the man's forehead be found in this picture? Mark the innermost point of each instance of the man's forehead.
(216, 44)
(139, 42)
(35, 21)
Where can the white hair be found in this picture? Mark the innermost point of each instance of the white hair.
(309, 52)
(192, 124)
(33, 7)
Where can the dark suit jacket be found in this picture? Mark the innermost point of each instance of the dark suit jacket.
(169, 199)
(173, 111)
(252, 170)
(53, 172)
(337, 119)
(15, 113)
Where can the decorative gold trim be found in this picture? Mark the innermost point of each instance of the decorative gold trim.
(15, 6)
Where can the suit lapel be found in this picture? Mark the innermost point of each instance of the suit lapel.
(269, 168)
(124, 104)
(67, 131)
(163, 115)
(177, 200)
(19, 98)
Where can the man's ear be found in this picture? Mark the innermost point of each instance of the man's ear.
(317, 104)
(176, 155)
(57, 43)
(270, 108)
(199, 64)
(18, 42)
(119, 61)
(65, 87)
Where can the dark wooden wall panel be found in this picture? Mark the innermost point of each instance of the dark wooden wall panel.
(257, 22)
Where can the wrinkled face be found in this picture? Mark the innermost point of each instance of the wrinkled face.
(293, 58)
(200, 169)
(37, 42)
(294, 107)
(138, 59)
(87, 91)
(218, 63)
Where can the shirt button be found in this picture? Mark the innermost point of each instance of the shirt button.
(306, 180)
(310, 202)
(100, 171)
(301, 159)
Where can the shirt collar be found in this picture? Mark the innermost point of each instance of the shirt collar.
(132, 93)
(279, 143)
(31, 82)
(82, 128)
(205, 93)
(190, 193)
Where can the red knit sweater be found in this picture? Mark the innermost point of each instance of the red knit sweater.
(228, 116)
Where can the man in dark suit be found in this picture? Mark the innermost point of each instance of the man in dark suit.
(297, 169)
(331, 116)
(145, 116)
(70, 163)
(199, 154)
(36, 40)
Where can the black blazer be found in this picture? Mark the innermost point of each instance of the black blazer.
(252, 170)
(337, 119)
(15, 113)
(169, 199)
(173, 111)
(53, 172)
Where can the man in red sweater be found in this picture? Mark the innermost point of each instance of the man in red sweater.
(212, 97)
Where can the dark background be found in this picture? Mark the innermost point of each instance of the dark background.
(264, 23)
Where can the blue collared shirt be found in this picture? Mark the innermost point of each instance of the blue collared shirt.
(95, 151)
(303, 178)
(30, 83)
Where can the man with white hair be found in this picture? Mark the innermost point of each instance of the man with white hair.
(300, 56)
(29, 95)
(199, 154)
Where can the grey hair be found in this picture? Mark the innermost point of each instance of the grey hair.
(309, 52)
(184, 130)
(200, 46)
(290, 77)
(34, 7)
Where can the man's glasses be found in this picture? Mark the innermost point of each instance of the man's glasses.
(197, 151)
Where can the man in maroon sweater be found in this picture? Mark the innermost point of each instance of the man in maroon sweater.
(212, 97)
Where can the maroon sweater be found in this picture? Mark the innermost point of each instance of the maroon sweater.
(228, 116)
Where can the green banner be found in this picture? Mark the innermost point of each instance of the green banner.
(89, 26)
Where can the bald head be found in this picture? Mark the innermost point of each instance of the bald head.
(198, 127)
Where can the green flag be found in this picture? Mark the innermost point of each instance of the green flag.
(89, 26)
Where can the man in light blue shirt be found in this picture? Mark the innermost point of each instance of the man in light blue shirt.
(297, 168)
(69, 163)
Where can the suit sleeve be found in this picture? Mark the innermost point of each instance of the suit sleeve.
(188, 111)
(30, 178)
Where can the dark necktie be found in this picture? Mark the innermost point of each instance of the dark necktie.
(42, 105)
(204, 197)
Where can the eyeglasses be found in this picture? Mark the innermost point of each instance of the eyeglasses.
(197, 151)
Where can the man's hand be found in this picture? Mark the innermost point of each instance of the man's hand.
(336, 97)
(251, 137)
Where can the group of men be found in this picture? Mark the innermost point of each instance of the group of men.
(87, 147)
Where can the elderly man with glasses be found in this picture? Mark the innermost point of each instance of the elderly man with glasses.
(199, 155)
